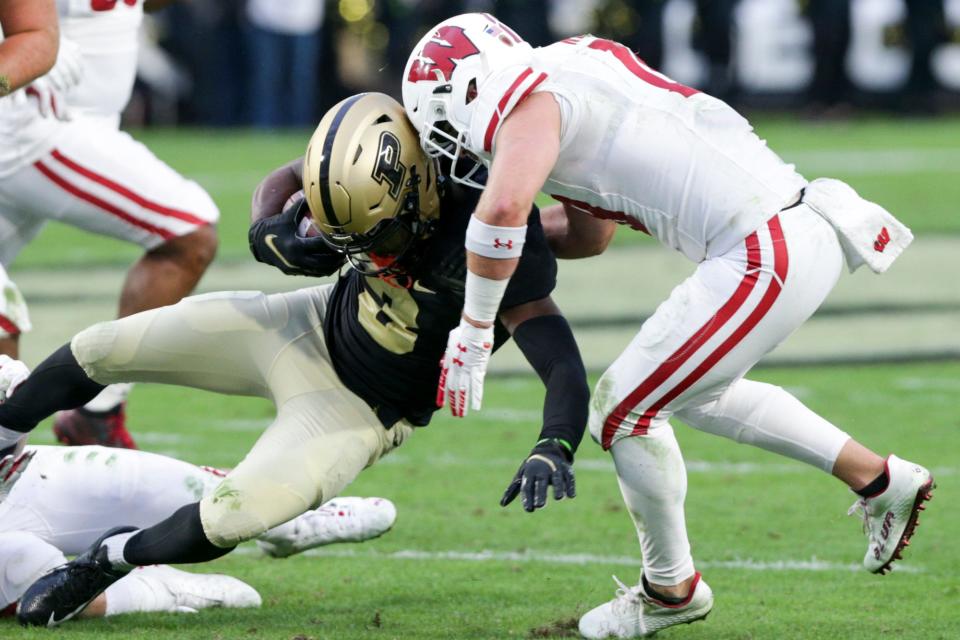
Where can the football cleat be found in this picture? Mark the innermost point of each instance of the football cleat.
(182, 592)
(340, 520)
(635, 614)
(64, 592)
(82, 427)
(891, 516)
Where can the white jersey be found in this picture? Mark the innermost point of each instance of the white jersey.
(641, 149)
(68, 496)
(106, 32)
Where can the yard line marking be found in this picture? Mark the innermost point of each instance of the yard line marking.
(583, 559)
(605, 465)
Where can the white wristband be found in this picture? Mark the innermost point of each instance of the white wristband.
(495, 242)
(482, 297)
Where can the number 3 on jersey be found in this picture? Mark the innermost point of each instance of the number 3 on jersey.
(108, 5)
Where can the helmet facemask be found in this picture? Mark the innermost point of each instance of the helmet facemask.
(439, 138)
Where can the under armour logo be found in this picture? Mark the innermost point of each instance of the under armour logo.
(458, 362)
(506, 245)
(882, 239)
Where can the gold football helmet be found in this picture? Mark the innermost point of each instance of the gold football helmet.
(371, 190)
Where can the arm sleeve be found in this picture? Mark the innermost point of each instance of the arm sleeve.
(548, 344)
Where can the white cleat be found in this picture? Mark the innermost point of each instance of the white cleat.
(191, 592)
(634, 614)
(890, 517)
(340, 520)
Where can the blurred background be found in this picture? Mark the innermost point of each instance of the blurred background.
(272, 63)
(867, 91)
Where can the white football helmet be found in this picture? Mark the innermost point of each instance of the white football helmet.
(445, 73)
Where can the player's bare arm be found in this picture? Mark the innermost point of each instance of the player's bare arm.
(545, 338)
(31, 41)
(574, 233)
(527, 147)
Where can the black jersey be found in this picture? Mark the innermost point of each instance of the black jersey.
(386, 342)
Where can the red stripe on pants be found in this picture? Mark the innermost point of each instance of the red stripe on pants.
(780, 264)
(672, 364)
(100, 204)
(125, 192)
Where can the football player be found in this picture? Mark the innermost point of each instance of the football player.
(83, 171)
(29, 39)
(56, 501)
(351, 367)
(589, 123)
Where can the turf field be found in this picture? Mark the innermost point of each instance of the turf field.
(770, 535)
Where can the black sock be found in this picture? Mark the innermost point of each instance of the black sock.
(177, 540)
(877, 486)
(656, 594)
(59, 382)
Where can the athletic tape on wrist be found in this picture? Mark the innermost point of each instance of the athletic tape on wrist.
(495, 242)
(482, 297)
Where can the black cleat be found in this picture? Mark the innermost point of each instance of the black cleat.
(66, 591)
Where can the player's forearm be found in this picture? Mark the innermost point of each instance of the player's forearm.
(574, 234)
(31, 41)
(548, 344)
(274, 190)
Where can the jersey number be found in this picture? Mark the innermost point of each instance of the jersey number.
(389, 316)
(108, 5)
(638, 68)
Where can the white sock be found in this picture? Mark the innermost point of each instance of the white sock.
(766, 416)
(653, 481)
(111, 396)
(115, 545)
(139, 591)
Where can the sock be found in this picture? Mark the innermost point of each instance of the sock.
(59, 382)
(877, 486)
(656, 594)
(177, 540)
(112, 396)
(653, 481)
(138, 592)
(114, 545)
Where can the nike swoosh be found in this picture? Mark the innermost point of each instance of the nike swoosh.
(422, 289)
(269, 242)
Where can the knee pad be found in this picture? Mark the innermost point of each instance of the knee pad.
(93, 345)
(23, 558)
(14, 316)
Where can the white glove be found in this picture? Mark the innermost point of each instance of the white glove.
(50, 91)
(12, 374)
(463, 367)
(11, 468)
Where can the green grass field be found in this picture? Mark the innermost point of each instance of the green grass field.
(751, 516)
(770, 535)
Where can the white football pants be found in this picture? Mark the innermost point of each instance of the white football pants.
(689, 359)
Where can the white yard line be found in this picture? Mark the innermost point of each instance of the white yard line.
(745, 564)
(877, 161)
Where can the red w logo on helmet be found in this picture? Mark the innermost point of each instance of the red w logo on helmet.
(447, 45)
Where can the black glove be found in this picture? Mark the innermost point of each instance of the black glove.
(275, 241)
(550, 463)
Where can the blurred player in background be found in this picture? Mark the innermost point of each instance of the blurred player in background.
(64, 158)
(55, 501)
(589, 123)
(351, 367)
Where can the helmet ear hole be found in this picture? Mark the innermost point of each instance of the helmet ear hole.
(471, 91)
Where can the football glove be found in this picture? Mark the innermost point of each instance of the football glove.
(463, 368)
(274, 240)
(12, 374)
(11, 468)
(550, 463)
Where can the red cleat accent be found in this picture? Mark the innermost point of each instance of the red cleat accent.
(81, 427)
